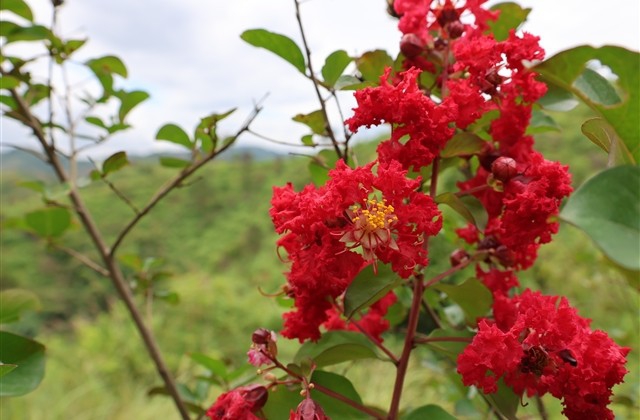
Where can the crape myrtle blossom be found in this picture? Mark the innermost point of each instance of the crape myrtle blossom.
(239, 403)
(360, 216)
(539, 344)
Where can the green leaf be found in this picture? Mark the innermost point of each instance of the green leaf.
(13, 302)
(96, 121)
(372, 64)
(9, 82)
(278, 44)
(215, 366)
(129, 100)
(307, 140)
(565, 68)
(450, 349)
(333, 408)
(607, 208)
(281, 402)
(28, 33)
(456, 203)
(6, 368)
(19, 7)
(114, 163)
(504, 401)
(463, 144)
(171, 162)
(28, 355)
(348, 82)
(596, 88)
(49, 222)
(174, 134)
(37, 186)
(541, 123)
(104, 68)
(557, 99)
(314, 120)
(604, 136)
(511, 17)
(320, 164)
(336, 347)
(429, 411)
(472, 296)
(369, 287)
(334, 65)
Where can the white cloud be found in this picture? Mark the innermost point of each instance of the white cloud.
(189, 56)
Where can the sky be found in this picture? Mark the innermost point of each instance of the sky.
(188, 55)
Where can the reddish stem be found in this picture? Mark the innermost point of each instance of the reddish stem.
(427, 340)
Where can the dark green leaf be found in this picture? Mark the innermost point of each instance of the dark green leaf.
(478, 211)
(596, 88)
(129, 100)
(511, 17)
(281, 402)
(28, 355)
(171, 162)
(557, 99)
(504, 401)
(6, 368)
(334, 65)
(604, 136)
(337, 347)
(19, 7)
(369, 287)
(13, 302)
(462, 144)
(430, 411)
(114, 163)
(8, 101)
(372, 64)
(472, 296)
(278, 44)
(49, 222)
(456, 203)
(348, 82)
(315, 121)
(607, 208)
(174, 134)
(6, 27)
(339, 384)
(563, 69)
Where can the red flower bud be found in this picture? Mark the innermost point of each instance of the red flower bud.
(255, 396)
(308, 410)
(261, 336)
(458, 256)
(504, 168)
(411, 45)
(455, 29)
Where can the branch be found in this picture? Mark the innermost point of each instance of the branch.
(115, 274)
(84, 260)
(312, 77)
(175, 182)
(284, 143)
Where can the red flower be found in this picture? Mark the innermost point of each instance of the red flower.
(308, 409)
(539, 345)
(332, 232)
(239, 404)
(413, 115)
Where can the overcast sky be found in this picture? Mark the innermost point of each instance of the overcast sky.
(188, 55)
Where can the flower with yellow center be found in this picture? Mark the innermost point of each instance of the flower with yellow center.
(371, 227)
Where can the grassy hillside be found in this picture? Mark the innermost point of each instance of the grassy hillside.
(216, 238)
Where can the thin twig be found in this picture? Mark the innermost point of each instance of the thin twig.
(177, 181)
(373, 413)
(312, 77)
(448, 272)
(84, 260)
(542, 410)
(376, 342)
(427, 340)
(284, 143)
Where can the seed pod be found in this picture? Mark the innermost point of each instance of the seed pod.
(504, 168)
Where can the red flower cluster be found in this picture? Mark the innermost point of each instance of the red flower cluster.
(330, 233)
(420, 126)
(539, 345)
(239, 403)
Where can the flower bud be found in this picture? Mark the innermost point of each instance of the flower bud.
(261, 336)
(255, 396)
(455, 29)
(411, 45)
(308, 409)
(458, 256)
(504, 168)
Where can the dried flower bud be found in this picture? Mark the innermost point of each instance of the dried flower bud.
(458, 257)
(255, 395)
(504, 168)
(261, 336)
(505, 256)
(411, 45)
(308, 409)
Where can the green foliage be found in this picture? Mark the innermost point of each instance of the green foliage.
(369, 286)
(472, 296)
(28, 357)
(278, 44)
(512, 16)
(336, 347)
(429, 411)
(14, 302)
(334, 66)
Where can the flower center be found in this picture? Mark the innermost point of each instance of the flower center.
(373, 216)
